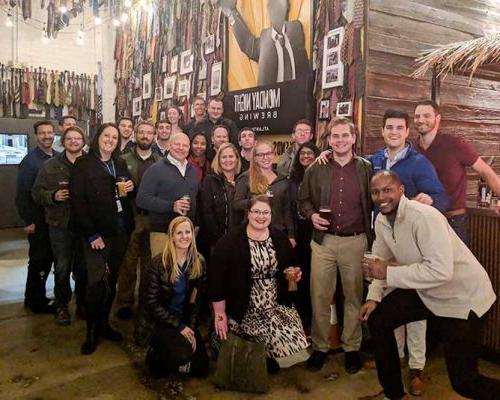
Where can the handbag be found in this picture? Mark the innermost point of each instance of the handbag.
(241, 366)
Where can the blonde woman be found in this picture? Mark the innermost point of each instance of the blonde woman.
(261, 178)
(170, 301)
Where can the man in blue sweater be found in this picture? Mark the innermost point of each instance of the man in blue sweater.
(421, 183)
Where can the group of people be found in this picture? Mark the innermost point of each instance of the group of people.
(202, 205)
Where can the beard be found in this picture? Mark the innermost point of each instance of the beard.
(144, 145)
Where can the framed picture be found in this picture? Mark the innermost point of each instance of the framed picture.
(146, 86)
(344, 109)
(184, 87)
(333, 68)
(333, 77)
(158, 93)
(163, 116)
(164, 64)
(334, 38)
(216, 79)
(202, 73)
(186, 62)
(174, 64)
(210, 44)
(136, 106)
(169, 87)
(333, 58)
(324, 110)
(13, 148)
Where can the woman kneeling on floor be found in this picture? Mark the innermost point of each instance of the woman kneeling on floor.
(249, 290)
(170, 302)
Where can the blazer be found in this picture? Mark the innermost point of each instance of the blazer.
(229, 276)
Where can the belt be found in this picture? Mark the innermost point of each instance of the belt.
(455, 213)
(343, 234)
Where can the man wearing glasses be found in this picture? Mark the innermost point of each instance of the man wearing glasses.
(336, 197)
(303, 132)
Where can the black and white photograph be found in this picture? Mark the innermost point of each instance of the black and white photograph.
(164, 64)
(146, 86)
(334, 38)
(202, 73)
(332, 77)
(324, 110)
(136, 106)
(169, 87)
(210, 44)
(174, 64)
(158, 93)
(333, 58)
(13, 148)
(333, 68)
(333, 41)
(216, 79)
(184, 87)
(344, 109)
(186, 62)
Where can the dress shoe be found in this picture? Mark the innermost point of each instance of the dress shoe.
(124, 313)
(45, 308)
(107, 332)
(62, 316)
(90, 344)
(417, 382)
(371, 364)
(381, 396)
(316, 361)
(272, 366)
(352, 362)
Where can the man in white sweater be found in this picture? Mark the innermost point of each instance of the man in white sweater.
(424, 271)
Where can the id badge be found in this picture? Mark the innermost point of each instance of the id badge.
(119, 205)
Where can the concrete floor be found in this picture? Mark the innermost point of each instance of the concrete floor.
(40, 360)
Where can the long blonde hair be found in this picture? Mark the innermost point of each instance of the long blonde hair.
(169, 256)
(216, 162)
(257, 181)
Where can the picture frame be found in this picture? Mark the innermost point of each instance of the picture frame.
(324, 110)
(333, 68)
(187, 61)
(158, 93)
(184, 88)
(216, 79)
(13, 147)
(333, 77)
(163, 116)
(146, 86)
(210, 44)
(169, 87)
(136, 106)
(202, 72)
(174, 63)
(164, 64)
(344, 109)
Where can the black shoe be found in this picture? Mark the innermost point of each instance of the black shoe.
(272, 366)
(352, 362)
(124, 313)
(316, 361)
(62, 316)
(46, 308)
(90, 344)
(107, 332)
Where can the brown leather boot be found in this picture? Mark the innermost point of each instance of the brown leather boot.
(417, 382)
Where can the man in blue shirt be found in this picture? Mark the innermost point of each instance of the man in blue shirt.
(421, 184)
(40, 254)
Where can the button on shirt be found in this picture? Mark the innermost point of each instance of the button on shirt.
(345, 200)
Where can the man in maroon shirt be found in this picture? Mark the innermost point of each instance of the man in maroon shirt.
(450, 156)
(340, 237)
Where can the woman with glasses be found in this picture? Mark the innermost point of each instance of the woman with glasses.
(262, 179)
(249, 290)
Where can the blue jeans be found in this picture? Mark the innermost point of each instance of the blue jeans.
(66, 247)
(460, 225)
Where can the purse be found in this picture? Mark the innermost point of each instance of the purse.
(241, 366)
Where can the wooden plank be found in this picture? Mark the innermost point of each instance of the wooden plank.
(464, 114)
(392, 87)
(476, 82)
(389, 44)
(438, 16)
(470, 97)
(391, 64)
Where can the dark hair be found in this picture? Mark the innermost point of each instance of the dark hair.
(94, 145)
(74, 129)
(244, 129)
(303, 121)
(191, 140)
(396, 114)
(125, 119)
(64, 118)
(431, 103)
(297, 170)
(390, 174)
(40, 123)
(162, 121)
(260, 198)
(220, 126)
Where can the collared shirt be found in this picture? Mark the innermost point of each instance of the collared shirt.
(345, 200)
(399, 156)
(181, 165)
(281, 40)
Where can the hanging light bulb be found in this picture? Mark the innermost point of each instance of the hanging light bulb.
(124, 18)
(45, 39)
(8, 21)
(144, 4)
(128, 3)
(116, 22)
(80, 37)
(97, 20)
(63, 10)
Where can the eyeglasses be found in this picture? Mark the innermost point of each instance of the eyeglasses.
(302, 131)
(307, 153)
(264, 155)
(260, 213)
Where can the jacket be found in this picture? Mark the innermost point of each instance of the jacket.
(162, 184)
(155, 294)
(207, 124)
(93, 198)
(54, 170)
(281, 213)
(417, 175)
(215, 207)
(285, 163)
(30, 212)
(133, 160)
(317, 180)
(230, 270)
(447, 277)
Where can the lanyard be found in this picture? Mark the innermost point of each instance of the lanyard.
(111, 170)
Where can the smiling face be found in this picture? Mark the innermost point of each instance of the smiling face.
(341, 140)
(426, 120)
(215, 109)
(259, 216)
(173, 115)
(179, 147)
(145, 136)
(302, 134)
(126, 129)
(306, 156)
(164, 130)
(227, 160)
(45, 136)
(199, 145)
(183, 236)
(219, 136)
(386, 193)
(73, 142)
(395, 133)
(199, 108)
(108, 140)
(264, 156)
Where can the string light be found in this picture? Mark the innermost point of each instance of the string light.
(98, 20)
(8, 21)
(80, 37)
(63, 10)
(116, 22)
(124, 18)
(45, 39)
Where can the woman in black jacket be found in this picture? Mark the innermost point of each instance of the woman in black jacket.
(217, 193)
(306, 155)
(248, 289)
(170, 296)
(104, 219)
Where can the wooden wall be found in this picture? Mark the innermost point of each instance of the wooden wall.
(398, 31)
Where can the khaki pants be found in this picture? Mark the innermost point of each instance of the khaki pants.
(138, 253)
(344, 253)
(158, 241)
